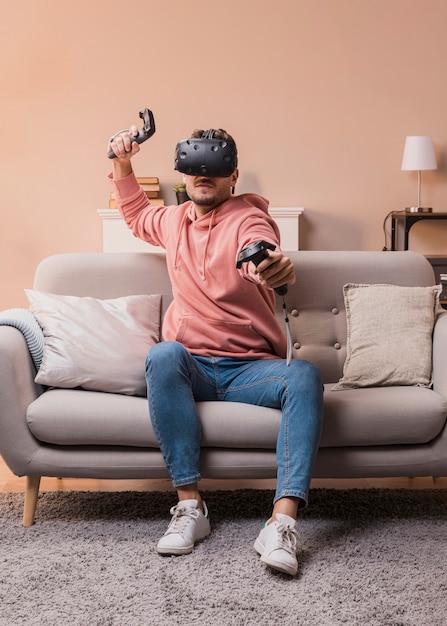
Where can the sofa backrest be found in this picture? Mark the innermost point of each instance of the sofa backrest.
(315, 302)
(105, 275)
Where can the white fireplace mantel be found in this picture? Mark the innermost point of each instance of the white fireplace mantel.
(116, 236)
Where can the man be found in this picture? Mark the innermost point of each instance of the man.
(221, 342)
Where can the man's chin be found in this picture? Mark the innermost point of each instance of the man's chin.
(203, 200)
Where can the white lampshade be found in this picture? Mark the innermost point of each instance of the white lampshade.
(419, 154)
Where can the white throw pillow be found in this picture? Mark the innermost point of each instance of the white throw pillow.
(389, 335)
(98, 345)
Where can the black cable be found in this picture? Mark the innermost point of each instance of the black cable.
(385, 247)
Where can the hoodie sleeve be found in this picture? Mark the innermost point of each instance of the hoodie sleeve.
(256, 227)
(147, 222)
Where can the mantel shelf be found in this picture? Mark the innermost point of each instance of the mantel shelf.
(118, 238)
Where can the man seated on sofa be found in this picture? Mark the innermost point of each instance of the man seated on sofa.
(221, 342)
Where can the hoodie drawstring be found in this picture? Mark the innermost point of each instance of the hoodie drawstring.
(205, 249)
(208, 237)
(185, 215)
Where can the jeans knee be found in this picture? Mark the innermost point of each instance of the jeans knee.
(299, 367)
(306, 374)
(164, 354)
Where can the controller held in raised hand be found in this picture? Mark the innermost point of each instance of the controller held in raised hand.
(144, 133)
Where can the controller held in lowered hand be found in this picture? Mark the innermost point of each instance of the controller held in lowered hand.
(257, 252)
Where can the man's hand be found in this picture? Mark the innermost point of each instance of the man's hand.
(124, 150)
(276, 270)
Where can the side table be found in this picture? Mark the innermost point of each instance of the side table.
(439, 264)
(402, 221)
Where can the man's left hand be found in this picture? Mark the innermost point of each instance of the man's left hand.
(276, 270)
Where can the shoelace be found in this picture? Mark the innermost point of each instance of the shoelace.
(287, 538)
(180, 518)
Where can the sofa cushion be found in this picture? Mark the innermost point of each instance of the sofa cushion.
(382, 416)
(364, 417)
(78, 417)
(96, 344)
(389, 335)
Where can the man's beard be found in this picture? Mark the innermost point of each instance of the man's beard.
(211, 197)
(205, 193)
(207, 200)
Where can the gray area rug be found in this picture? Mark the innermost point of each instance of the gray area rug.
(373, 557)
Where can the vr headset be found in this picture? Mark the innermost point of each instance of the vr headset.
(206, 156)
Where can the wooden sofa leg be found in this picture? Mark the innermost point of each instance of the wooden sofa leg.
(31, 493)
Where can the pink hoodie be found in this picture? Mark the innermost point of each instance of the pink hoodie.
(215, 312)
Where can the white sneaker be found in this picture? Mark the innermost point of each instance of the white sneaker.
(188, 525)
(277, 544)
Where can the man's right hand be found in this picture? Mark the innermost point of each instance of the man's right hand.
(124, 150)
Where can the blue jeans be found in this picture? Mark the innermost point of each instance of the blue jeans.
(176, 380)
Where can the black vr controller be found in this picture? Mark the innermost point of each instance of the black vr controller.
(257, 252)
(206, 156)
(147, 131)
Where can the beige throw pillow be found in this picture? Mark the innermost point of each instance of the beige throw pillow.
(98, 345)
(389, 335)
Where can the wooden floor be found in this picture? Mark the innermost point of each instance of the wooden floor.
(11, 483)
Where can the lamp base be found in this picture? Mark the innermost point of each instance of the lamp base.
(418, 209)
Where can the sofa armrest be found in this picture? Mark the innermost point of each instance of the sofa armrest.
(17, 391)
(440, 355)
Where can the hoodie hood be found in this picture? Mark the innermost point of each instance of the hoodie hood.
(245, 203)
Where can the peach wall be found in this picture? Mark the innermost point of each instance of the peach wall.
(319, 94)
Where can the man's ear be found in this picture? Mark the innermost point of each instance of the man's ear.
(234, 177)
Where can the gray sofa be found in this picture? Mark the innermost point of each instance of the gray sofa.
(371, 432)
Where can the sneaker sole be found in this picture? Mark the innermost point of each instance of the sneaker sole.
(175, 551)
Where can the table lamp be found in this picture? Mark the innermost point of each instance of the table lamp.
(419, 154)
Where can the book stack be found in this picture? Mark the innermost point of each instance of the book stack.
(150, 186)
